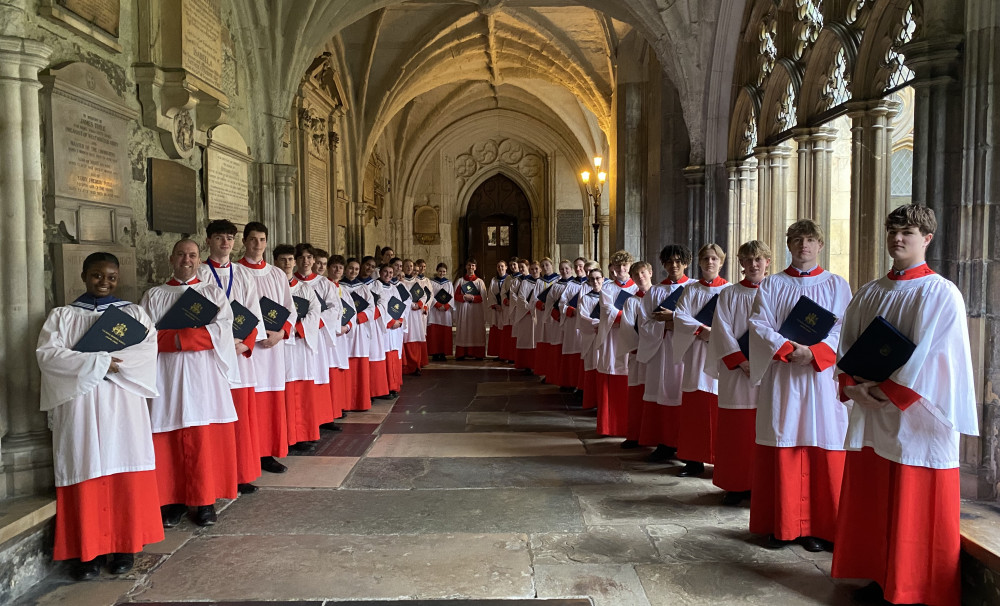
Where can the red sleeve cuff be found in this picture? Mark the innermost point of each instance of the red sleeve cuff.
(300, 332)
(477, 299)
(378, 312)
(322, 324)
(287, 329)
(555, 314)
(195, 339)
(570, 312)
(539, 306)
(250, 341)
(784, 351)
(733, 360)
(698, 331)
(506, 302)
(844, 380)
(823, 356)
(901, 397)
(165, 342)
(362, 317)
(618, 318)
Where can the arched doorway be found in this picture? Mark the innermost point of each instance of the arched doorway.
(497, 224)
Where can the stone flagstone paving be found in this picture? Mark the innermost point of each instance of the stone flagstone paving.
(477, 483)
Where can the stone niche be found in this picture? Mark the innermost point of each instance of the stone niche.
(179, 72)
(86, 130)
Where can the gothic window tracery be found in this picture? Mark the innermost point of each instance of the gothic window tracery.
(899, 73)
(768, 54)
(856, 13)
(786, 109)
(749, 140)
(808, 25)
(835, 91)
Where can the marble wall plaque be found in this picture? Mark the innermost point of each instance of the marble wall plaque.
(569, 226)
(201, 40)
(227, 187)
(104, 14)
(90, 158)
(68, 260)
(172, 197)
(318, 211)
(98, 20)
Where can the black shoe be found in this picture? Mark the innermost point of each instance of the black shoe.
(271, 465)
(811, 544)
(733, 499)
(870, 593)
(565, 389)
(459, 358)
(385, 397)
(121, 563)
(394, 393)
(172, 514)
(528, 371)
(773, 542)
(478, 359)
(331, 426)
(205, 515)
(246, 488)
(303, 447)
(86, 571)
(662, 454)
(692, 469)
(630, 444)
(416, 373)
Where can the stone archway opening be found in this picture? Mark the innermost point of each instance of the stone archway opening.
(497, 224)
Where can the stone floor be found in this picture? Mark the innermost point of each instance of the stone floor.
(477, 482)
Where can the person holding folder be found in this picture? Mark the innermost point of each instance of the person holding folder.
(341, 381)
(569, 302)
(614, 343)
(588, 319)
(106, 491)
(692, 330)
(727, 360)
(633, 316)
(499, 329)
(799, 460)
(439, 319)
(193, 417)
(552, 330)
(545, 327)
(470, 315)
(415, 338)
(898, 522)
(523, 305)
(357, 298)
(269, 354)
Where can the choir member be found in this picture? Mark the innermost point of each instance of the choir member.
(106, 487)
(499, 328)
(379, 346)
(664, 372)
(572, 365)
(415, 338)
(727, 362)
(396, 337)
(799, 461)
(394, 329)
(359, 338)
(341, 382)
(546, 328)
(470, 315)
(193, 416)
(552, 329)
(587, 324)
(634, 315)
(523, 305)
(699, 399)
(386, 255)
(507, 292)
(439, 319)
(369, 269)
(898, 522)
(269, 354)
(236, 282)
(613, 346)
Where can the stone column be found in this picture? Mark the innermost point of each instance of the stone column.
(815, 151)
(742, 222)
(605, 239)
(284, 187)
(871, 150)
(268, 202)
(772, 196)
(700, 217)
(24, 437)
(359, 229)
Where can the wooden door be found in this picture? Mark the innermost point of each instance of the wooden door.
(498, 224)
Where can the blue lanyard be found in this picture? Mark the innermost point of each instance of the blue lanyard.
(229, 287)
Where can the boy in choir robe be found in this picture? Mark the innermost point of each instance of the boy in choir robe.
(269, 354)
(326, 292)
(378, 380)
(499, 329)
(633, 316)
(664, 372)
(106, 489)
(507, 292)
(588, 326)
(386, 255)
(523, 304)
(340, 370)
(799, 460)
(397, 337)
(369, 269)
(439, 319)
(552, 329)
(394, 329)
(572, 366)
(359, 338)
(614, 346)
(193, 416)
(734, 435)
(415, 338)
(546, 328)
(699, 399)
(235, 281)
(898, 522)
(470, 316)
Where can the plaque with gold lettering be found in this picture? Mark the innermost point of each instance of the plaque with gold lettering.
(172, 197)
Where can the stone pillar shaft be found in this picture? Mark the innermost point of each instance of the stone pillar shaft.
(815, 151)
(772, 195)
(25, 441)
(700, 218)
(285, 202)
(871, 150)
(742, 223)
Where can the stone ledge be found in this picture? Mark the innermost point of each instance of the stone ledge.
(981, 532)
(22, 514)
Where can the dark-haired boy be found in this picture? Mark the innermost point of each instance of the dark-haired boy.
(898, 522)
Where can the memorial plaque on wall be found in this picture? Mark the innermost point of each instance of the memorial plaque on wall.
(569, 227)
(104, 14)
(173, 204)
(96, 19)
(227, 166)
(318, 226)
(201, 40)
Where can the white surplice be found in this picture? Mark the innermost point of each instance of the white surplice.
(614, 340)
(244, 292)
(664, 372)
(269, 363)
(732, 320)
(470, 318)
(687, 346)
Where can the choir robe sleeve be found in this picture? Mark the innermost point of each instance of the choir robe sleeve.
(764, 338)
(609, 313)
(68, 374)
(253, 304)
(310, 323)
(221, 331)
(685, 326)
(722, 342)
(650, 329)
(631, 318)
